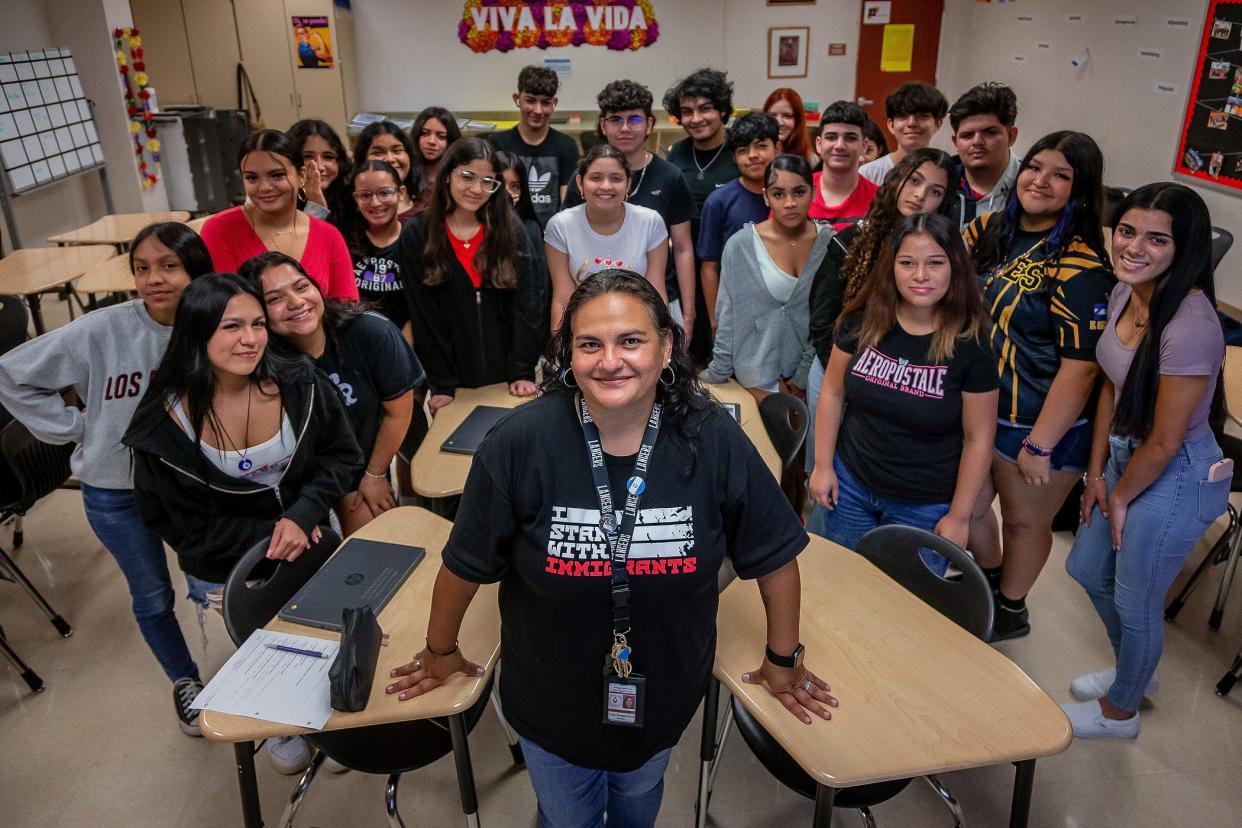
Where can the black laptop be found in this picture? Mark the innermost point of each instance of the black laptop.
(466, 438)
(361, 573)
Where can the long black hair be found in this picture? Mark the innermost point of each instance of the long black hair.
(506, 161)
(184, 243)
(1191, 269)
(1082, 218)
(496, 258)
(185, 371)
(353, 224)
(413, 182)
(451, 132)
(683, 399)
(335, 193)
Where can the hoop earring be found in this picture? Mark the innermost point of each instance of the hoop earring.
(566, 376)
(302, 192)
(672, 375)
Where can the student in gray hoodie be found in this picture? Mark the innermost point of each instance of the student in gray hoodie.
(983, 134)
(108, 357)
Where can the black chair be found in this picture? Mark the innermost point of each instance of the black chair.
(1113, 196)
(13, 322)
(1226, 550)
(1222, 240)
(786, 420)
(31, 470)
(967, 602)
(255, 591)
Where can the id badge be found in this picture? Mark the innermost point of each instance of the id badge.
(624, 700)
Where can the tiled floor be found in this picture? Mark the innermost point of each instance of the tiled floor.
(100, 747)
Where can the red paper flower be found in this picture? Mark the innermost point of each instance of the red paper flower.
(117, 33)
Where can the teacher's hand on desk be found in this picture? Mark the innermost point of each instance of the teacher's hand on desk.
(798, 689)
(428, 671)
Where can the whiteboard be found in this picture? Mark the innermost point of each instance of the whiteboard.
(46, 129)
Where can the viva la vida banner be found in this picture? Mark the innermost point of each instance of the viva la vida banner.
(504, 25)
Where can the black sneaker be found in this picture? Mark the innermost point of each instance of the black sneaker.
(185, 690)
(1010, 623)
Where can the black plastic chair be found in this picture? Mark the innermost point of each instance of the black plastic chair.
(255, 591)
(1113, 196)
(1222, 240)
(786, 420)
(13, 322)
(1226, 550)
(31, 470)
(968, 603)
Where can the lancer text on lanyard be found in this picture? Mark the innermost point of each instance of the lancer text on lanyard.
(624, 689)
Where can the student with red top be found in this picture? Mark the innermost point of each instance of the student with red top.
(842, 196)
(477, 294)
(271, 170)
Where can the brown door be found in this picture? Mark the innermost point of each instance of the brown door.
(872, 84)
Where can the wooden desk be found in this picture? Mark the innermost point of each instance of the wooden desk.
(436, 473)
(31, 271)
(112, 276)
(1233, 383)
(918, 693)
(197, 224)
(116, 229)
(405, 622)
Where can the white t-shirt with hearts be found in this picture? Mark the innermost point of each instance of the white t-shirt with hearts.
(569, 232)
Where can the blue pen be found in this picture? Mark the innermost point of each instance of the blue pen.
(285, 648)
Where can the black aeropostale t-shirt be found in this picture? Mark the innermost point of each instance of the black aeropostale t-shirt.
(529, 518)
(377, 272)
(370, 363)
(901, 434)
(550, 165)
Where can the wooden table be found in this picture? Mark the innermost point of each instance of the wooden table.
(32, 271)
(436, 473)
(918, 694)
(1232, 380)
(112, 276)
(116, 229)
(405, 622)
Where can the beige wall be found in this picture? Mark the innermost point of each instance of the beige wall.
(1110, 97)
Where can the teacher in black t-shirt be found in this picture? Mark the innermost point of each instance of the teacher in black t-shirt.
(549, 511)
(908, 407)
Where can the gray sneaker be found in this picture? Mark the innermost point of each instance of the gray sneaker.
(1091, 686)
(185, 690)
(289, 754)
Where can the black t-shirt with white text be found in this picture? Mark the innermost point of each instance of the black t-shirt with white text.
(658, 186)
(370, 363)
(529, 518)
(550, 165)
(899, 408)
(377, 273)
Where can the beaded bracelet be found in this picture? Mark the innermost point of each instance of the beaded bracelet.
(1038, 451)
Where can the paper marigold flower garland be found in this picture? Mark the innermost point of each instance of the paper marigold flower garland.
(128, 45)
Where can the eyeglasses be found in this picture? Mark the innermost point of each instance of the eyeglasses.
(469, 179)
(635, 121)
(384, 195)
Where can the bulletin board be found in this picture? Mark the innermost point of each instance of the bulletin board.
(46, 129)
(1210, 149)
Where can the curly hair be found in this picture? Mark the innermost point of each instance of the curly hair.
(704, 83)
(883, 216)
(538, 80)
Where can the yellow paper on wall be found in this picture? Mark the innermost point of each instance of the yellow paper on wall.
(897, 51)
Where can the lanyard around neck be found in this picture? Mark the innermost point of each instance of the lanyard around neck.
(619, 537)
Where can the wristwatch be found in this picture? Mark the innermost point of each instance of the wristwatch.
(793, 662)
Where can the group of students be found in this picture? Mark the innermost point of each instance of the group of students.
(945, 318)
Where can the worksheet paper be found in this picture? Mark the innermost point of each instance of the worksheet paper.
(274, 685)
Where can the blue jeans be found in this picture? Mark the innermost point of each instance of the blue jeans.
(113, 517)
(571, 796)
(859, 510)
(1128, 586)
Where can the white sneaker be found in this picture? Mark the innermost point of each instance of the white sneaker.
(1090, 686)
(1089, 722)
(289, 754)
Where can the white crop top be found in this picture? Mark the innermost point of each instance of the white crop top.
(264, 464)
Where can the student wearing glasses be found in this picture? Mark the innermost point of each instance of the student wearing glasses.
(372, 232)
(473, 283)
(625, 122)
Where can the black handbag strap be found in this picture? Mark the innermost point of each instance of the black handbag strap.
(246, 99)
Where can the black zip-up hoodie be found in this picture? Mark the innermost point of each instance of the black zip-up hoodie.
(211, 519)
(470, 337)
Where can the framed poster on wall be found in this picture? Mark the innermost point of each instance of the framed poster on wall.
(1210, 146)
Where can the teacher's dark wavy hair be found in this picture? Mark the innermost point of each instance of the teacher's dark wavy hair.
(683, 399)
(185, 371)
(1191, 269)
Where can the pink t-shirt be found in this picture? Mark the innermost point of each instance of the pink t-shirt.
(847, 212)
(1192, 345)
(232, 241)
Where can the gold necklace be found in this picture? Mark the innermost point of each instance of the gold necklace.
(275, 234)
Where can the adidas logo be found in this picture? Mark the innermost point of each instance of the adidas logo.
(538, 182)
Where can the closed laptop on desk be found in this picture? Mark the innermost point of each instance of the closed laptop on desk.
(361, 573)
(466, 438)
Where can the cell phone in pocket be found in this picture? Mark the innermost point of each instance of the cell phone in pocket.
(1220, 470)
